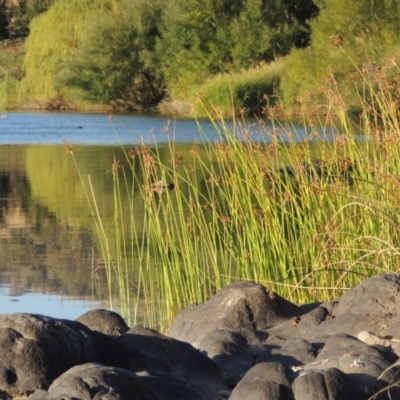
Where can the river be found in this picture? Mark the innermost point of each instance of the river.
(48, 264)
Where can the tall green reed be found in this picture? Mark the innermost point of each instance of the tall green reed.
(307, 216)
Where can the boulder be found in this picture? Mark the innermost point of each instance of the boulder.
(307, 352)
(265, 381)
(106, 349)
(35, 350)
(352, 324)
(337, 345)
(367, 372)
(95, 382)
(229, 351)
(330, 384)
(293, 352)
(170, 390)
(175, 360)
(305, 326)
(104, 321)
(379, 295)
(246, 308)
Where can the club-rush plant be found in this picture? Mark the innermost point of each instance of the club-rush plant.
(309, 216)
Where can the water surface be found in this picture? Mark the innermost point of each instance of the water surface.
(95, 129)
(48, 259)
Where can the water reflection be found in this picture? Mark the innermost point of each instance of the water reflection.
(48, 246)
(41, 250)
(52, 305)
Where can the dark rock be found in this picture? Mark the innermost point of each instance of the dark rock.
(331, 384)
(319, 322)
(371, 306)
(294, 352)
(256, 350)
(104, 321)
(379, 295)
(212, 344)
(169, 390)
(269, 381)
(175, 360)
(363, 370)
(352, 324)
(273, 340)
(35, 350)
(246, 308)
(391, 331)
(330, 306)
(140, 330)
(105, 349)
(228, 350)
(362, 363)
(306, 327)
(338, 345)
(96, 381)
(306, 308)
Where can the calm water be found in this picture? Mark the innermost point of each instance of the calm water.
(95, 129)
(48, 264)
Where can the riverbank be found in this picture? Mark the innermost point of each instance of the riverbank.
(244, 341)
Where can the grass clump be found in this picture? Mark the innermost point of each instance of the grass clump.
(308, 213)
(246, 89)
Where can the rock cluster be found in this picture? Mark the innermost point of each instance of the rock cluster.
(245, 343)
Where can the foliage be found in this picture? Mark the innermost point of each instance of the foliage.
(3, 20)
(130, 54)
(137, 54)
(201, 39)
(281, 25)
(245, 92)
(53, 41)
(15, 16)
(345, 34)
(114, 61)
(308, 214)
(11, 57)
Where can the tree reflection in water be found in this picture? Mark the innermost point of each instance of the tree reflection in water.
(43, 250)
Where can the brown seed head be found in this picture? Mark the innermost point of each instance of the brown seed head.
(68, 147)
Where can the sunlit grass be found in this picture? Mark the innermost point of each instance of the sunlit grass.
(307, 217)
(245, 89)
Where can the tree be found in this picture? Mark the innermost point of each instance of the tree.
(53, 40)
(115, 63)
(206, 37)
(3, 20)
(15, 16)
(346, 34)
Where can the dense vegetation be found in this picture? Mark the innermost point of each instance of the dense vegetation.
(306, 216)
(15, 16)
(144, 55)
(309, 218)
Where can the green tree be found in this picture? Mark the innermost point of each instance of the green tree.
(207, 37)
(115, 62)
(3, 20)
(54, 39)
(15, 16)
(346, 34)
(195, 39)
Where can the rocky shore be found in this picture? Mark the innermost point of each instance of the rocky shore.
(245, 343)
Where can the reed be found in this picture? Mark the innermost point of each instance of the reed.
(308, 216)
